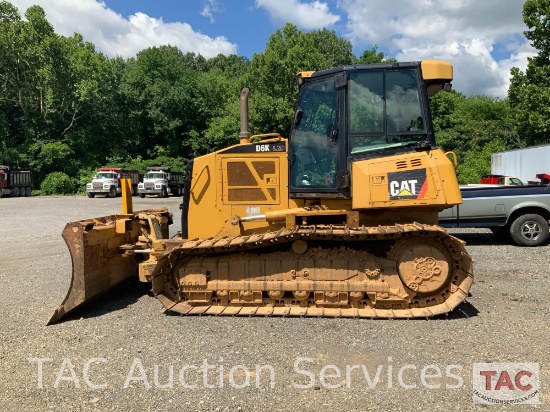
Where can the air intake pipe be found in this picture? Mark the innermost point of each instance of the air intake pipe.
(245, 133)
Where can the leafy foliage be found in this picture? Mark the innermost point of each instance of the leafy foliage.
(473, 127)
(58, 183)
(374, 56)
(529, 92)
(66, 109)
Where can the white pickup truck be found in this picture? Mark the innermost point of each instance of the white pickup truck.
(521, 213)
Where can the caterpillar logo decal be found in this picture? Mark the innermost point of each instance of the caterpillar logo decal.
(409, 184)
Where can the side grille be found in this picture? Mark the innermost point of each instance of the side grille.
(404, 164)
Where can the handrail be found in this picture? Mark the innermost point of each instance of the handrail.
(453, 158)
(275, 136)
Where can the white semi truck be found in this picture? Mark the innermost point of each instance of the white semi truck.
(160, 181)
(107, 182)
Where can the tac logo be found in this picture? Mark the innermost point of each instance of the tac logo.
(409, 184)
(505, 383)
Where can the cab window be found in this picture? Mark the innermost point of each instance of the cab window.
(313, 138)
(385, 110)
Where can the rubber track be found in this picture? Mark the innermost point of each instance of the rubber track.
(462, 263)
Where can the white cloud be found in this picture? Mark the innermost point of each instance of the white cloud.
(307, 16)
(482, 38)
(210, 7)
(465, 32)
(115, 35)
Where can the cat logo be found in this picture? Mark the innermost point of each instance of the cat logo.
(409, 184)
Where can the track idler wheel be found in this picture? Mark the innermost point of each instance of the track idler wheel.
(423, 265)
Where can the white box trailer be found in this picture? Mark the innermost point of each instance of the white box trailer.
(524, 163)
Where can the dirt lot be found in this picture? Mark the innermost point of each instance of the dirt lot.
(119, 353)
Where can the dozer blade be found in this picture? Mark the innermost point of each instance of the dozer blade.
(99, 262)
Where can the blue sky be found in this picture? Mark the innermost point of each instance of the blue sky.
(482, 38)
(243, 24)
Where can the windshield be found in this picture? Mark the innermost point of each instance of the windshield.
(154, 175)
(516, 181)
(104, 175)
(313, 138)
(385, 110)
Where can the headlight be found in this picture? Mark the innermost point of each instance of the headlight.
(88, 185)
(140, 186)
(157, 186)
(106, 186)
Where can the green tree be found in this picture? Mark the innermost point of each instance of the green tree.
(529, 92)
(64, 107)
(159, 92)
(271, 75)
(477, 162)
(58, 183)
(24, 58)
(56, 92)
(335, 50)
(473, 127)
(232, 66)
(370, 56)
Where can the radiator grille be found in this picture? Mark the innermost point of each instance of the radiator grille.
(252, 181)
(238, 174)
(246, 195)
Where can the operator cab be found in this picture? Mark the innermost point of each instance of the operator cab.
(359, 112)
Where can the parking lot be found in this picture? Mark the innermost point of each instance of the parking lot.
(122, 352)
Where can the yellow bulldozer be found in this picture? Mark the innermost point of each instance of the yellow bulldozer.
(339, 219)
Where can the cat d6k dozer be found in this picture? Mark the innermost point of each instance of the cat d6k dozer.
(340, 219)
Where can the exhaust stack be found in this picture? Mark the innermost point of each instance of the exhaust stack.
(245, 133)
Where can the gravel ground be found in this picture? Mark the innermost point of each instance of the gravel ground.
(135, 346)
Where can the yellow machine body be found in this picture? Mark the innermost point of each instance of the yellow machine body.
(397, 189)
(339, 219)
